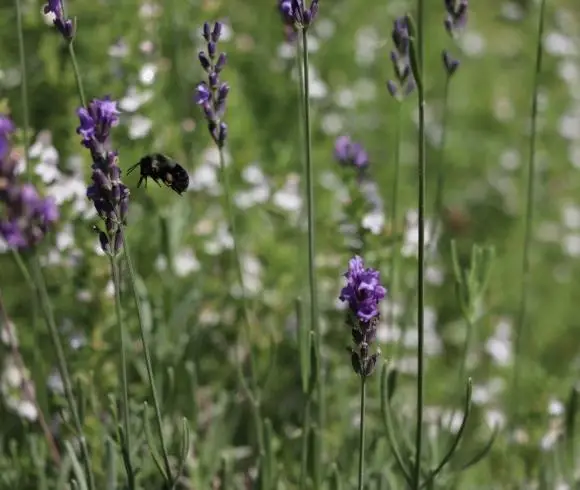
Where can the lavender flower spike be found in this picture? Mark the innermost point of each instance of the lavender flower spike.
(363, 291)
(26, 217)
(64, 26)
(211, 95)
(107, 192)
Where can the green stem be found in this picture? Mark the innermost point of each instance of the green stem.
(305, 435)
(254, 397)
(23, 89)
(62, 366)
(151, 378)
(124, 383)
(395, 249)
(417, 44)
(76, 71)
(310, 204)
(470, 325)
(361, 439)
(530, 199)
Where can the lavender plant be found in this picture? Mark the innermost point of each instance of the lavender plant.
(455, 22)
(363, 292)
(400, 88)
(25, 220)
(300, 17)
(211, 96)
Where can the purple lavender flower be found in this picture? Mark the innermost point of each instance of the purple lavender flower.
(96, 122)
(449, 63)
(26, 216)
(107, 192)
(347, 152)
(64, 26)
(296, 15)
(405, 82)
(363, 291)
(456, 15)
(6, 128)
(211, 95)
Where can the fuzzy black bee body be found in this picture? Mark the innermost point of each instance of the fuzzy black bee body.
(160, 167)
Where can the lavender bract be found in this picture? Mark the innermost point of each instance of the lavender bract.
(107, 192)
(64, 26)
(26, 216)
(348, 152)
(363, 292)
(212, 94)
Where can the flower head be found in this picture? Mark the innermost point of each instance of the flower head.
(211, 94)
(347, 152)
(96, 122)
(296, 15)
(363, 290)
(449, 63)
(404, 82)
(64, 26)
(456, 15)
(107, 192)
(26, 216)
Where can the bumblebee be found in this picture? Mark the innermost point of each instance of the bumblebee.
(162, 168)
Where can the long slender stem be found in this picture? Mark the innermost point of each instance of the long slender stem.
(151, 378)
(305, 435)
(62, 366)
(418, 43)
(396, 249)
(73, 58)
(254, 398)
(124, 383)
(310, 205)
(23, 88)
(77, 73)
(361, 439)
(530, 201)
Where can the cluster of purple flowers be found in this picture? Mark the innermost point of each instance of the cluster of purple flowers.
(296, 15)
(363, 292)
(404, 82)
(26, 216)
(108, 194)
(348, 152)
(212, 95)
(63, 25)
(455, 21)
